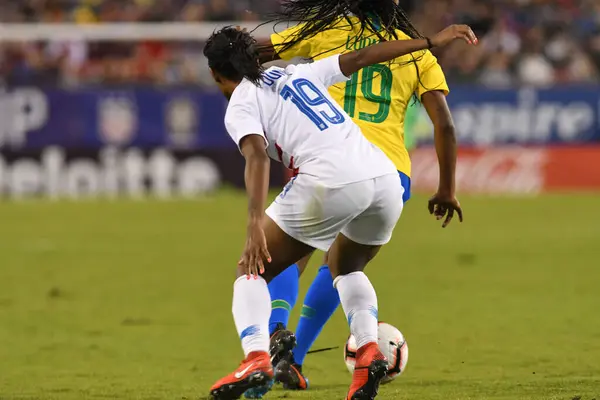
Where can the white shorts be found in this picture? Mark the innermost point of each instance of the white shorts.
(365, 212)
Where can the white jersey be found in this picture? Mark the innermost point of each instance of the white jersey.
(302, 125)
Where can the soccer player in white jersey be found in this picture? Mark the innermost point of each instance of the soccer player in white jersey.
(344, 198)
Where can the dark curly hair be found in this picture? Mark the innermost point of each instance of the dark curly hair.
(381, 17)
(233, 54)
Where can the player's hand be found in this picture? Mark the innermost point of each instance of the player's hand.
(441, 206)
(453, 32)
(255, 252)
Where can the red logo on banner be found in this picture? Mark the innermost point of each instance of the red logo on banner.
(519, 170)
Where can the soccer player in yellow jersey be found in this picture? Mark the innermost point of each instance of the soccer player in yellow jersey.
(376, 98)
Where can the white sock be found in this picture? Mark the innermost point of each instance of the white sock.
(251, 313)
(359, 302)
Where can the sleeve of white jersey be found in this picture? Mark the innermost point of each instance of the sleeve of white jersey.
(328, 70)
(243, 118)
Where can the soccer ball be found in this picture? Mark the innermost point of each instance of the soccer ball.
(392, 345)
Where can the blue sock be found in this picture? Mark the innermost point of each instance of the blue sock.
(284, 293)
(320, 303)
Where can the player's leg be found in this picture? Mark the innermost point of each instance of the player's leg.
(320, 303)
(284, 288)
(290, 206)
(328, 210)
(357, 244)
(347, 261)
(284, 293)
(251, 311)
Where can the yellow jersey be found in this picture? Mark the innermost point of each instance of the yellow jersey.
(377, 96)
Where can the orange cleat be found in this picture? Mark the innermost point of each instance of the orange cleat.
(256, 370)
(371, 367)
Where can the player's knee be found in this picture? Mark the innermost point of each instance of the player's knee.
(347, 256)
(347, 268)
(344, 265)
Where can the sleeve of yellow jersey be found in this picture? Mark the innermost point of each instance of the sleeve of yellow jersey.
(302, 49)
(431, 75)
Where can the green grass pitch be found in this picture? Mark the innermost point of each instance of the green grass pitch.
(132, 300)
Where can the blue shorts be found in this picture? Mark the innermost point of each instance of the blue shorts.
(405, 180)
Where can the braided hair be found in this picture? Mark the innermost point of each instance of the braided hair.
(233, 54)
(381, 17)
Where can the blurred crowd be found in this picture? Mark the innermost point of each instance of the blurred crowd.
(76, 62)
(87, 11)
(523, 42)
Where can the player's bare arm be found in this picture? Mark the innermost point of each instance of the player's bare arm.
(387, 51)
(256, 176)
(443, 203)
(266, 51)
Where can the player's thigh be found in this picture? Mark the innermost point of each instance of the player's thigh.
(374, 226)
(284, 250)
(346, 256)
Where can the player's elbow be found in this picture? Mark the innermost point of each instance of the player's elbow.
(258, 160)
(254, 147)
(352, 62)
(445, 129)
(257, 157)
(361, 59)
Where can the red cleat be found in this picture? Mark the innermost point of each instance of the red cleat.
(371, 367)
(256, 370)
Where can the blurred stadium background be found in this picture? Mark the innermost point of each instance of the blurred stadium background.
(117, 299)
(533, 82)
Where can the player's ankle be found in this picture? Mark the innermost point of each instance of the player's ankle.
(279, 326)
